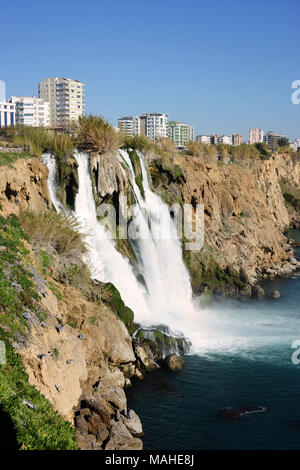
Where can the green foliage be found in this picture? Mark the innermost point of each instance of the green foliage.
(46, 259)
(8, 159)
(164, 172)
(37, 140)
(55, 291)
(38, 428)
(17, 289)
(56, 352)
(54, 231)
(124, 312)
(137, 142)
(291, 193)
(135, 160)
(283, 142)
(95, 135)
(264, 154)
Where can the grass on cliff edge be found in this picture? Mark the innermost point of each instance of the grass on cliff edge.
(41, 427)
(37, 140)
(53, 230)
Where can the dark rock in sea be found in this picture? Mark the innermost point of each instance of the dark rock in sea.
(173, 362)
(231, 413)
(258, 292)
(276, 294)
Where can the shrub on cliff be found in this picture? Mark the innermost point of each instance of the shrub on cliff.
(291, 193)
(137, 142)
(205, 152)
(52, 230)
(95, 135)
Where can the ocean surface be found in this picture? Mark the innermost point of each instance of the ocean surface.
(246, 359)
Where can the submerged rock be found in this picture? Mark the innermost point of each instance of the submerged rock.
(276, 294)
(173, 362)
(231, 413)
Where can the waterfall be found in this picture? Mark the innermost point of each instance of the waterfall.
(167, 297)
(107, 264)
(160, 256)
(50, 162)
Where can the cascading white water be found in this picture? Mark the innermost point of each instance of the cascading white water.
(160, 257)
(107, 264)
(168, 298)
(50, 162)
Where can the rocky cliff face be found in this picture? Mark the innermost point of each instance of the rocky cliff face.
(24, 185)
(245, 216)
(80, 357)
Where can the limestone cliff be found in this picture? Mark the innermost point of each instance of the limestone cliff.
(23, 185)
(77, 352)
(244, 211)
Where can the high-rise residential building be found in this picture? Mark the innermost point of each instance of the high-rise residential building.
(237, 139)
(130, 125)
(7, 114)
(272, 138)
(31, 111)
(154, 125)
(203, 139)
(225, 139)
(214, 139)
(180, 133)
(256, 136)
(66, 99)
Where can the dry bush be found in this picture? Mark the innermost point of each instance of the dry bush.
(95, 135)
(52, 230)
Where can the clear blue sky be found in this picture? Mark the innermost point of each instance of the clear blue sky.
(222, 66)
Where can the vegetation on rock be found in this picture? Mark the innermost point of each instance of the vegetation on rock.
(95, 135)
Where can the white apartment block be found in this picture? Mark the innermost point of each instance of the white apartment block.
(129, 125)
(31, 111)
(225, 139)
(7, 114)
(154, 125)
(203, 139)
(66, 99)
(256, 136)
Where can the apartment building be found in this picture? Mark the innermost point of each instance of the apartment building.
(272, 138)
(66, 99)
(237, 140)
(256, 136)
(180, 133)
(7, 114)
(129, 125)
(154, 125)
(203, 139)
(225, 139)
(31, 111)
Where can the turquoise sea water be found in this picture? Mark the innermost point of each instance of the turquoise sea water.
(246, 360)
